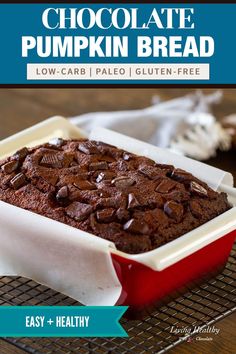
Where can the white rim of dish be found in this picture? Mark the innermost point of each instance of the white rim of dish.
(157, 259)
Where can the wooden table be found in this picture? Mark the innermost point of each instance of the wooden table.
(21, 108)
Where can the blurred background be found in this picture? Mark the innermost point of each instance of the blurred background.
(21, 108)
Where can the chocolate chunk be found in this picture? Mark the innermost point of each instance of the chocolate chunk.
(181, 175)
(51, 178)
(21, 154)
(10, 167)
(108, 202)
(165, 186)
(123, 182)
(62, 193)
(51, 161)
(122, 166)
(107, 175)
(88, 147)
(152, 172)
(174, 210)
(196, 209)
(105, 215)
(136, 226)
(43, 185)
(65, 160)
(75, 194)
(85, 185)
(100, 165)
(126, 156)
(100, 177)
(18, 181)
(132, 201)
(122, 214)
(197, 189)
(78, 211)
(58, 142)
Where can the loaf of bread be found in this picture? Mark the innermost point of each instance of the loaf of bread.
(128, 199)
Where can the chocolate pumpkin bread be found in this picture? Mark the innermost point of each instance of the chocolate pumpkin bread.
(130, 200)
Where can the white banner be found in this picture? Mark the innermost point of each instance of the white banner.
(157, 71)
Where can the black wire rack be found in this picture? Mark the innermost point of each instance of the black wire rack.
(202, 305)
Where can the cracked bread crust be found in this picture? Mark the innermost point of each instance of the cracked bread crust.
(130, 200)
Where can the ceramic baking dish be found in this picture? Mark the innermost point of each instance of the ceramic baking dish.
(91, 269)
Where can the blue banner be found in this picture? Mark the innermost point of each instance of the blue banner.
(117, 43)
(61, 321)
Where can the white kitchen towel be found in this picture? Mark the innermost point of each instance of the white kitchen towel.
(185, 124)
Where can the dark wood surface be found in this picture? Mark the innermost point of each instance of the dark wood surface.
(21, 108)
(6, 348)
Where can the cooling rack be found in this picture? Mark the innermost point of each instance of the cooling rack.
(201, 305)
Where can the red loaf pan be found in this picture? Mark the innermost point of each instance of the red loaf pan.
(142, 286)
(155, 276)
(89, 268)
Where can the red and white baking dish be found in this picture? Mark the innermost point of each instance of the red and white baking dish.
(90, 269)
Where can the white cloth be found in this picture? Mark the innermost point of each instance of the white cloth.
(185, 124)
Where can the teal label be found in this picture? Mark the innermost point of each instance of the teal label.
(124, 43)
(61, 321)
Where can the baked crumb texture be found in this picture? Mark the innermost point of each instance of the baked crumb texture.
(130, 200)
